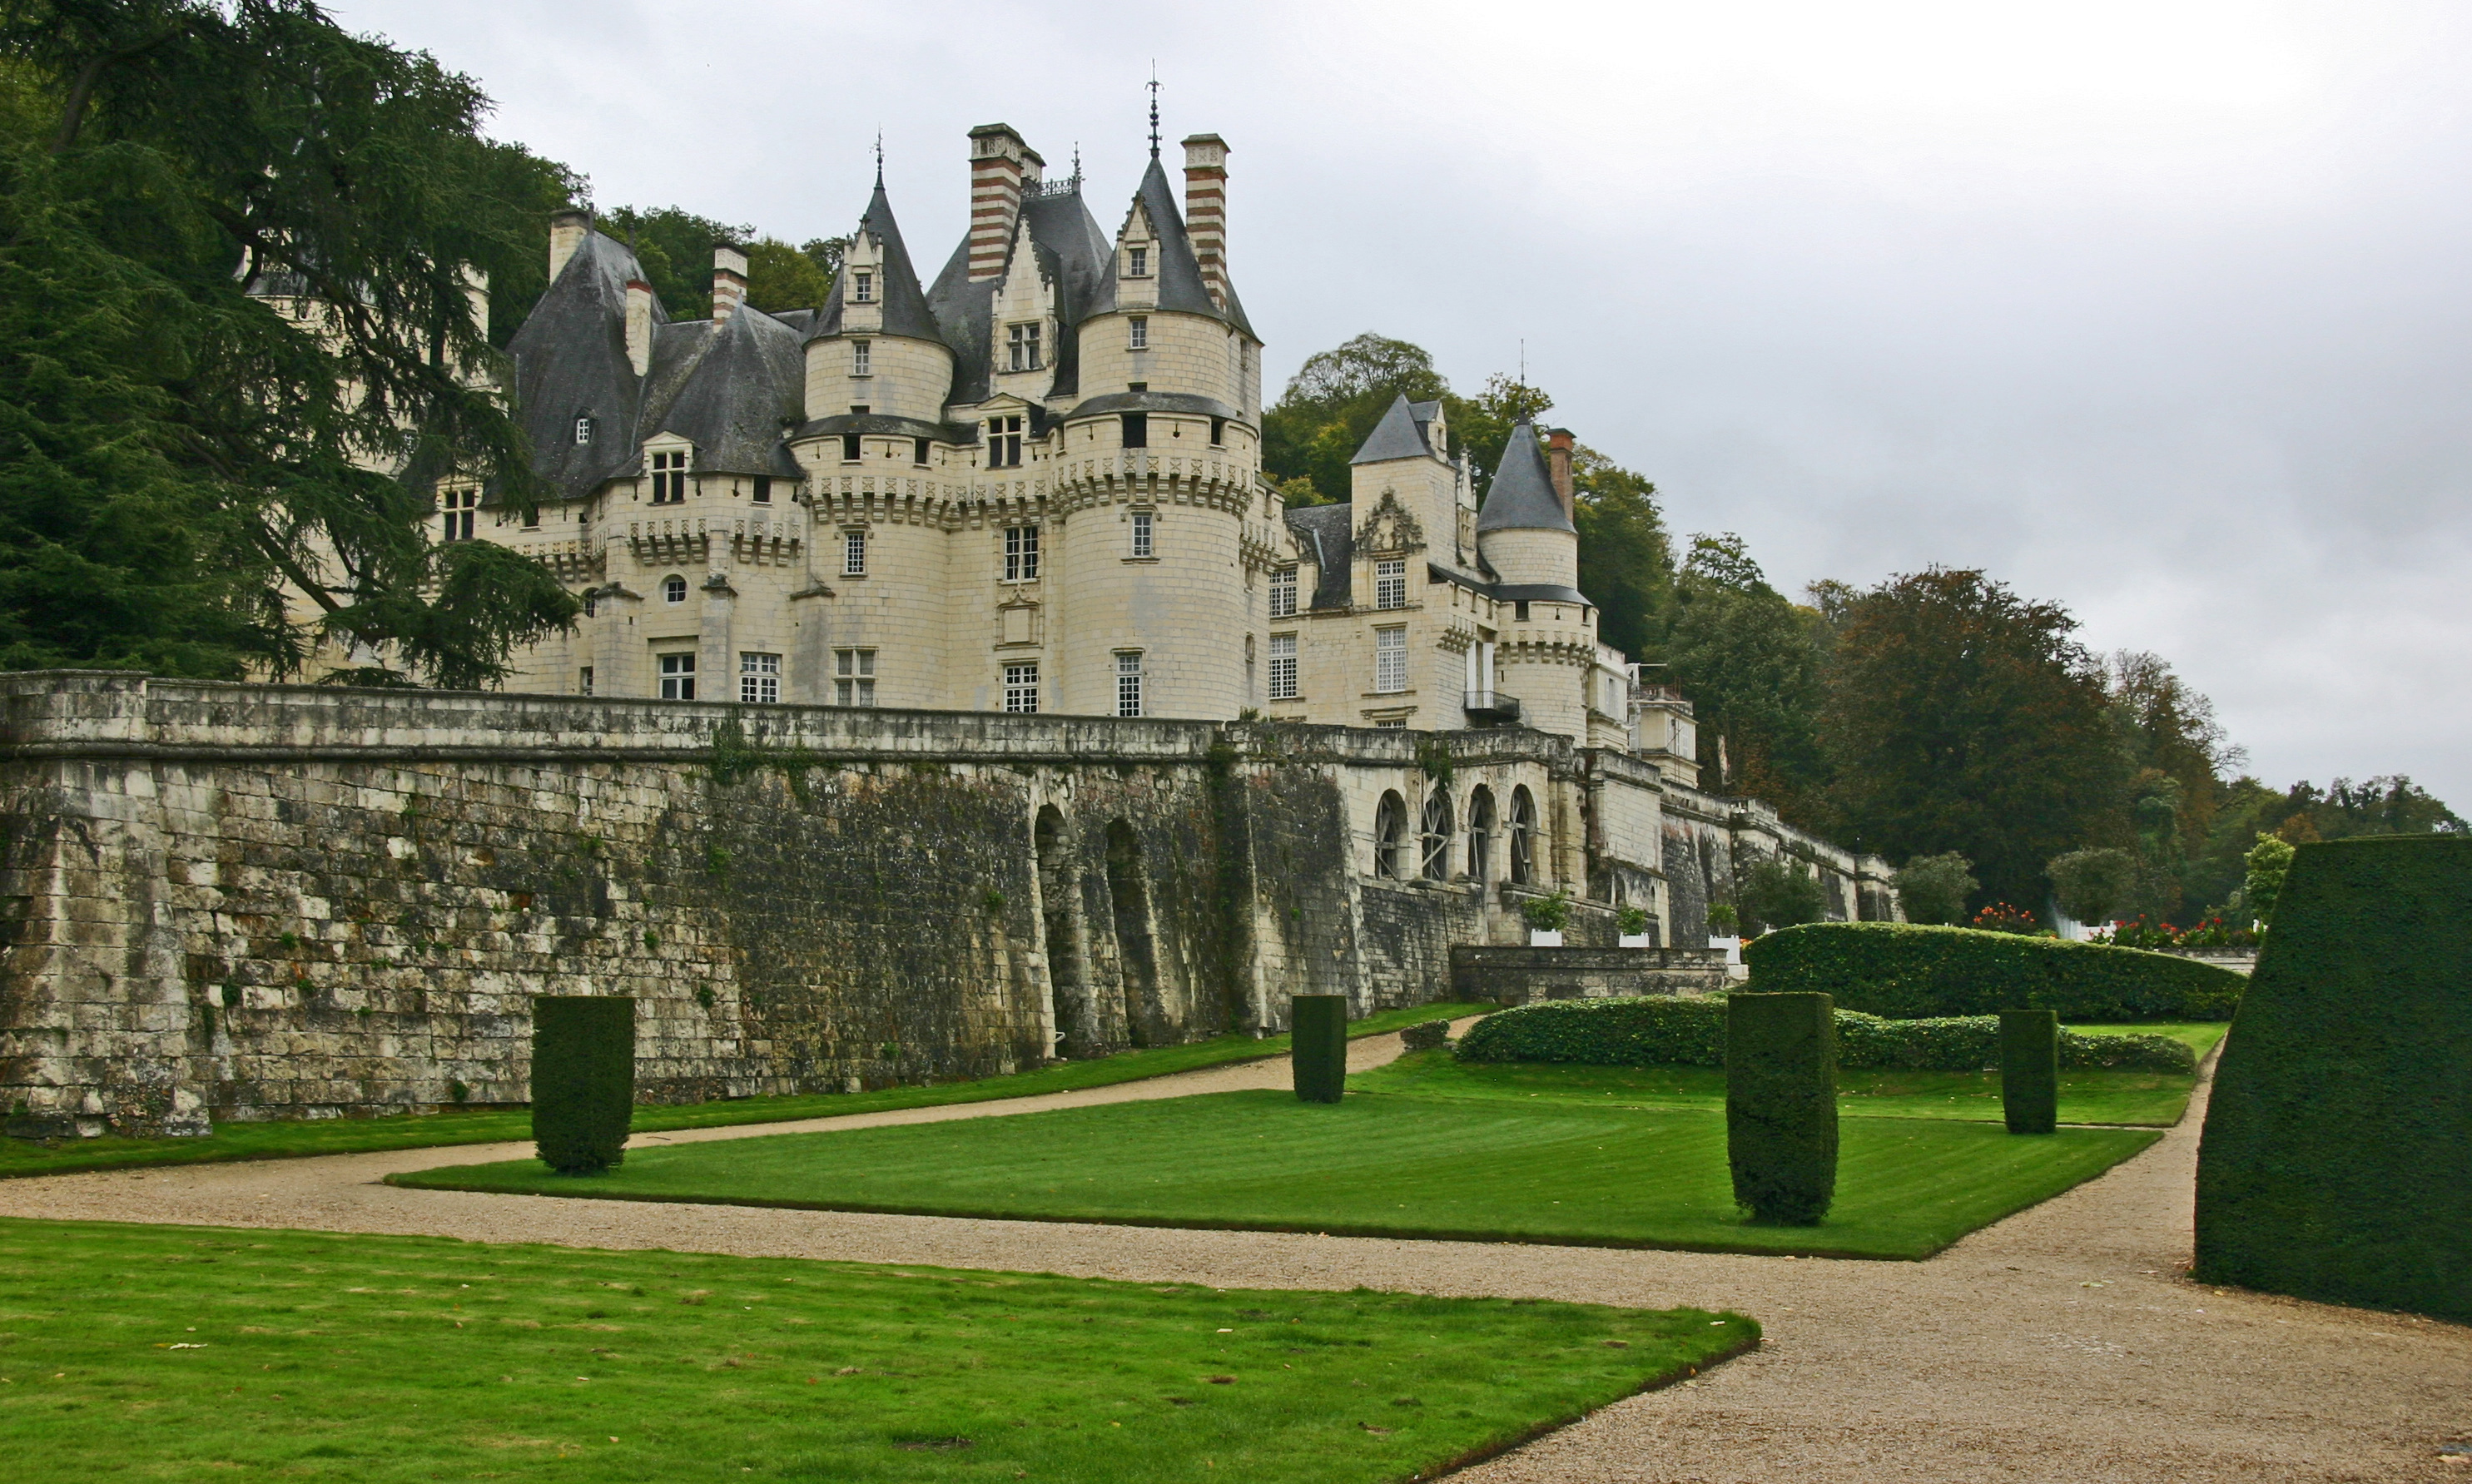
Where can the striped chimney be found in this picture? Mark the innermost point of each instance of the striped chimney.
(1205, 210)
(1558, 467)
(1000, 165)
(729, 280)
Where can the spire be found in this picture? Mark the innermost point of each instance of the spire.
(1154, 128)
(1522, 498)
(879, 159)
(904, 310)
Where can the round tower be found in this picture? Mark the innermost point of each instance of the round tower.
(1548, 629)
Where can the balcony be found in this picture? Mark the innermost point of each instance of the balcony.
(1489, 706)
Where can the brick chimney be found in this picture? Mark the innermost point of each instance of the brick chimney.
(1557, 463)
(1205, 210)
(568, 231)
(729, 280)
(999, 164)
(639, 325)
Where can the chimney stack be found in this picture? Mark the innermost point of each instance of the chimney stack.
(639, 325)
(1557, 461)
(568, 231)
(999, 164)
(729, 280)
(1205, 210)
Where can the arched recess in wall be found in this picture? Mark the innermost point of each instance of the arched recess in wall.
(1129, 891)
(1479, 856)
(1060, 898)
(1390, 835)
(1523, 837)
(1434, 838)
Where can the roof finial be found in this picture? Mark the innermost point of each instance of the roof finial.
(879, 159)
(1077, 164)
(1154, 133)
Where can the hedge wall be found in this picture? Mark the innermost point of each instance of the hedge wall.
(1781, 1106)
(583, 1079)
(1905, 970)
(1692, 1033)
(2337, 1161)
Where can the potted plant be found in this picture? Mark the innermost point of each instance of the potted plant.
(1546, 917)
(1631, 922)
(1724, 930)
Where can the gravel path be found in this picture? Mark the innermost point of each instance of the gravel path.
(2058, 1345)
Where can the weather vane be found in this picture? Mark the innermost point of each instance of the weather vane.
(1154, 134)
(879, 156)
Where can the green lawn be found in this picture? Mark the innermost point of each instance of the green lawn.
(1375, 1164)
(2201, 1036)
(2154, 1099)
(181, 1354)
(279, 1140)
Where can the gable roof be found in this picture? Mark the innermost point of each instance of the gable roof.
(1522, 498)
(1399, 435)
(905, 307)
(1073, 256)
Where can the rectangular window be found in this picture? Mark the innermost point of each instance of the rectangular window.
(1021, 342)
(1142, 550)
(1021, 687)
(1141, 262)
(582, 431)
(918, 447)
(1390, 584)
(863, 282)
(532, 518)
(592, 602)
(1137, 430)
(1283, 592)
(851, 448)
(459, 506)
(678, 676)
(1217, 432)
(1519, 612)
(763, 490)
(1021, 554)
(1140, 325)
(861, 358)
(1390, 661)
(1128, 684)
(1004, 442)
(584, 681)
(853, 676)
(669, 478)
(853, 553)
(1283, 667)
(759, 678)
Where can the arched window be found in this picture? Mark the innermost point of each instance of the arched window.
(1479, 856)
(1389, 836)
(1435, 839)
(673, 588)
(1523, 837)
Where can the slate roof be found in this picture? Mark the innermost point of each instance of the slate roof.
(1178, 271)
(1522, 498)
(743, 382)
(1399, 435)
(570, 361)
(1073, 256)
(905, 308)
(1328, 532)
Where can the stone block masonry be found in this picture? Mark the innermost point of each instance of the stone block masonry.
(224, 901)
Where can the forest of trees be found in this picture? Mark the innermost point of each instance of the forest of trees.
(1936, 712)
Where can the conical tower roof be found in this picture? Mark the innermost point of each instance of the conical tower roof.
(1522, 498)
(904, 303)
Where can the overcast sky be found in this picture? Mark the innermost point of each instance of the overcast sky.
(2160, 310)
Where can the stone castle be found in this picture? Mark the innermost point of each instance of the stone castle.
(953, 692)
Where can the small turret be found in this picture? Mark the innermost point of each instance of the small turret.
(1524, 532)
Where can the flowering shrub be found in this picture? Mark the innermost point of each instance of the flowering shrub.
(2211, 933)
(2002, 918)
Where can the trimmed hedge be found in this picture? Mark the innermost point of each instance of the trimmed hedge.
(1318, 1046)
(1781, 1106)
(2337, 1161)
(1905, 971)
(1692, 1033)
(583, 1079)
(2030, 1070)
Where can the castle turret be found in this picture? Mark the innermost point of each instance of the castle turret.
(1523, 530)
(1548, 654)
(876, 345)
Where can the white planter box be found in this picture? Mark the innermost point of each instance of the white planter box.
(1639, 939)
(1733, 947)
(1541, 938)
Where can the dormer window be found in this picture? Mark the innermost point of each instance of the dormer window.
(1390, 584)
(582, 431)
(1004, 442)
(669, 478)
(1140, 325)
(1022, 342)
(861, 358)
(458, 507)
(1140, 263)
(862, 286)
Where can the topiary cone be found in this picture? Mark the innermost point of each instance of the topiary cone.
(2030, 1069)
(583, 1079)
(1318, 1046)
